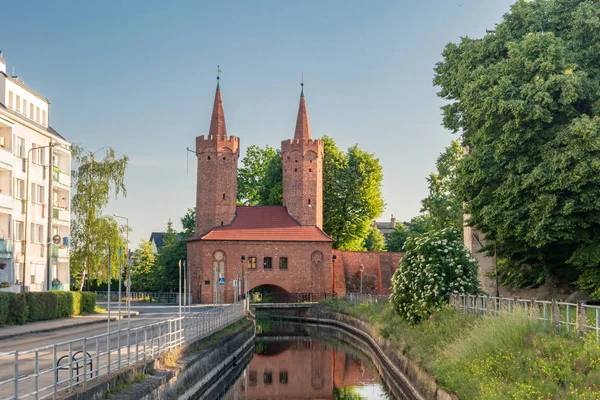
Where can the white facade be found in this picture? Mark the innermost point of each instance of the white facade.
(24, 126)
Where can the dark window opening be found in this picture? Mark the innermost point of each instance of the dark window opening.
(209, 157)
(310, 170)
(268, 377)
(207, 282)
(252, 262)
(283, 263)
(223, 196)
(268, 263)
(288, 157)
(221, 223)
(283, 377)
(296, 160)
(224, 158)
(309, 202)
(295, 169)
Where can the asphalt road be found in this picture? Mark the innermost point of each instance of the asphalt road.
(149, 313)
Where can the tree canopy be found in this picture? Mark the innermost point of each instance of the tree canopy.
(352, 196)
(91, 232)
(442, 207)
(527, 99)
(397, 238)
(374, 240)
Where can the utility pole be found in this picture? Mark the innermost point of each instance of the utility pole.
(50, 212)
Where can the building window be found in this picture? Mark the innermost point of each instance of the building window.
(310, 170)
(268, 377)
(283, 377)
(31, 114)
(19, 189)
(24, 107)
(18, 103)
(20, 148)
(209, 157)
(34, 154)
(268, 263)
(19, 231)
(252, 262)
(37, 114)
(37, 233)
(295, 169)
(18, 271)
(10, 100)
(37, 193)
(44, 118)
(223, 196)
(283, 263)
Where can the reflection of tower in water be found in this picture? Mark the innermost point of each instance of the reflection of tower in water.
(317, 380)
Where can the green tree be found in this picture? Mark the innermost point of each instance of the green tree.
(435, 265)
(442, 206)
(143, 268)
(167, 260)
(527, 99)
(252, 173)
(397, 238)
(91, 232)
(374, 240)
(352, 196)
(188, 221)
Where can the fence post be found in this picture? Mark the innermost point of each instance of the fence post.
(555, 311)
(581, 316)
(16, 374)
(532, 312)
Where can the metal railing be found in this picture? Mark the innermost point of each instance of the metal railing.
(150, 297)
(47, 371)
(579, 317)
(290, 297)
(367, 298)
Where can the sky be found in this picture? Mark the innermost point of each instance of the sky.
(139, 76)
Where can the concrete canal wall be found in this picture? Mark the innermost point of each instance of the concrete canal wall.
(193, 371)
(402, 376)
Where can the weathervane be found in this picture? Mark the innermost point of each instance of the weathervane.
(218, 73)
(302, 81)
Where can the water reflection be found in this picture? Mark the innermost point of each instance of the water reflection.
(298, 362)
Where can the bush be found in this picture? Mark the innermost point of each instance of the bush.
(18, 308)
(435, 265)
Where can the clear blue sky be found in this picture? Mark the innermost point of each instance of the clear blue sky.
(140, 76)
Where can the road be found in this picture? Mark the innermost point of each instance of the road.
(147, 343)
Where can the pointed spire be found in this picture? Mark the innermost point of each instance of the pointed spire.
(302, 125)
(217, 122)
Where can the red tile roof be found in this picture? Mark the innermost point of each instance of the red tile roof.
(268, 223)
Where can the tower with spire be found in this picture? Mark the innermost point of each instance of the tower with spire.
(217, 172)
(302, 159)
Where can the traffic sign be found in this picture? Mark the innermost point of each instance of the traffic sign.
(221, 281)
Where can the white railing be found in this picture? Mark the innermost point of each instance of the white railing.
(579, 317)
(367, 298)
(151, 297)
(47, 371)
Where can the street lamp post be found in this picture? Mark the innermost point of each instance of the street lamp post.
(48, 272)
(362, 269)
(127, 276)
(242, 277)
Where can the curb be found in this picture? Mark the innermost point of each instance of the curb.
(58, 328)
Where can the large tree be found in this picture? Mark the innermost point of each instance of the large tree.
(92, 233)
(443, 207)
(352, 196)
(527, 99)
(143, 263)
(374, 240)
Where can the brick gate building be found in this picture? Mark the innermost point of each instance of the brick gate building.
(283, 248)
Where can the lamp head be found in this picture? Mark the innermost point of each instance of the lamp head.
(362, 267)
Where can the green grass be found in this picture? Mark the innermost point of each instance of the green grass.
(505, 357)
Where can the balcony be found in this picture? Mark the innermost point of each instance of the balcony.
(6, 247)
(6, 200)
(61, 215)
(60, 252)
(7, 159)
(60, 178)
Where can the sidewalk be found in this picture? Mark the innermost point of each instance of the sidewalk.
(9, 332)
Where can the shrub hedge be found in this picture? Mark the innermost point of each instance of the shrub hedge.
(19, 308)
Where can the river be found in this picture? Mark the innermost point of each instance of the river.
(294, 361)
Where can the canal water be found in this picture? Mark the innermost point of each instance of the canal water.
(294, 361)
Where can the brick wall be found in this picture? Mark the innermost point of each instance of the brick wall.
(377, 273)
(216, 189)
(302, 162)
(301, 276)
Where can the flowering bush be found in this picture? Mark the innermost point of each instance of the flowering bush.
(435, 265)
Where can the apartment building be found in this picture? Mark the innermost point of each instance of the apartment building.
(35, 185)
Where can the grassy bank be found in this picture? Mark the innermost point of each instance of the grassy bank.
(507, 357)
